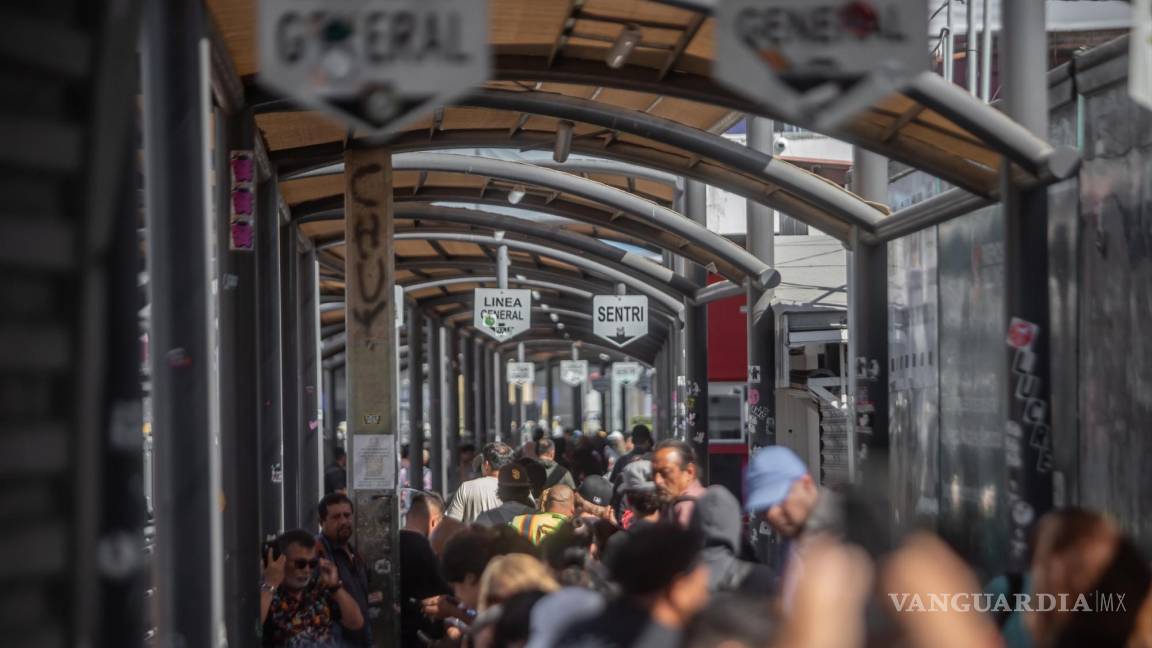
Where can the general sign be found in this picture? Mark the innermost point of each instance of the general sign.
(377, 64)
(620, 319)
(626, 373)
(521, 373)
(502, 313)
(819, 62)
(574, 372)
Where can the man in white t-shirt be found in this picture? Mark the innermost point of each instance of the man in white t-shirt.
(478, 495)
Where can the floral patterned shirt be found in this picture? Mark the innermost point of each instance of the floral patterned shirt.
(300, 620)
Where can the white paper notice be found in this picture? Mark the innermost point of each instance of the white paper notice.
(373, 462)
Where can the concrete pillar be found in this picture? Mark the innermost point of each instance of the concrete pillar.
(370, 316)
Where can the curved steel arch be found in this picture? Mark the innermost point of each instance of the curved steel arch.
(755, 270)
(785, 177)
(704, 171)
(597, 267)
(567, 345)
(570, 240)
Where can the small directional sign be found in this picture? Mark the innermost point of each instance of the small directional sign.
(521, 373)
(620, 319)
(377, 64)
(626, 373)
(574, 372)
(502, 313)
(819, 62)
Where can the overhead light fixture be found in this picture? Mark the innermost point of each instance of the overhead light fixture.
(554, 317)
(563, 141)
(605, 357)
(517, 194)
(560, 326)
(521, 277)
(627, 41)
(544, 306)
(536, 295)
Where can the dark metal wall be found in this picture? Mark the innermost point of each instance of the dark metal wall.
(972, 416)
(1115, 277)
(914, 386)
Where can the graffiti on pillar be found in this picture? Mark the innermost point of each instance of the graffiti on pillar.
(369, 241)
(1031, 429)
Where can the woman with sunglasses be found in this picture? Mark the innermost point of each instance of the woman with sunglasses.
(302, 596)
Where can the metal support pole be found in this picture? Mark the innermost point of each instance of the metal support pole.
(696, 341)
(1028, 442)
(549, 398)
(501, 406)
(949, 44)
(239, 396)
(578, 397)
(308, 399)
(373, 453)
(502, 263)
(986, 54)
(761, 316)
(480, 392)
(415, 398)
(177, 102)
(290, 381)
(868, 335)
(470, 404)
(270, 423)
(437, 370)
(491, 386)
(453, 366)
(971, 60)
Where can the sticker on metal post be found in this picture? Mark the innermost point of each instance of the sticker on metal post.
(753, 374)
(1022, 334)
(502, 314)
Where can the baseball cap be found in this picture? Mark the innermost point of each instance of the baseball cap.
(770, 476)
(514, 475)
(596, 489)
(637, 476)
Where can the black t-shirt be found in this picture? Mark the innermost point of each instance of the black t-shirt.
(419, 579)
(620, 625)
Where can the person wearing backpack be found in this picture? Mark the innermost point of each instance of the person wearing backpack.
(556, 474)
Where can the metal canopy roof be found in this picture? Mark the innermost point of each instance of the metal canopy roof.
(661, 110)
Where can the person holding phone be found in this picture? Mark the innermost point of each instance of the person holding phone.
(302, 596)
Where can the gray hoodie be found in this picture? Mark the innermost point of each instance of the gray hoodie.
(719, 519)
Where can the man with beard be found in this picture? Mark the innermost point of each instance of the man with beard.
(335, 512)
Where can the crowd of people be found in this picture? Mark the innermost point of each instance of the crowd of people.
(562, 542)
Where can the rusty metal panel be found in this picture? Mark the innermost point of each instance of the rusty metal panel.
(1116, 311)
(972, 325)
(914, 387)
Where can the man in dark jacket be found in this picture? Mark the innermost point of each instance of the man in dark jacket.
(641, 449)
(717, 517)
(336, 523)
(557, 474)
(514, 489)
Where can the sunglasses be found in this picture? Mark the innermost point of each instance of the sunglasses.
(301, 563)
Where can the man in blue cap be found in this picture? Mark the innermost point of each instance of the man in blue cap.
(779, 490)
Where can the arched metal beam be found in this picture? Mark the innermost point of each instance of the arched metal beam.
(705, 171)
(596, 267)
(566, 345)
(757, 271)
(570, 240)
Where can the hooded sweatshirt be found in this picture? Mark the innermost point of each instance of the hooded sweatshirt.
(718, 517)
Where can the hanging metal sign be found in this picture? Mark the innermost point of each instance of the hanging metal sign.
(620, 319)
(819, 62)
(502, 313)
(626, 373)
(521, 373)
(574, 372)
(379, 65)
